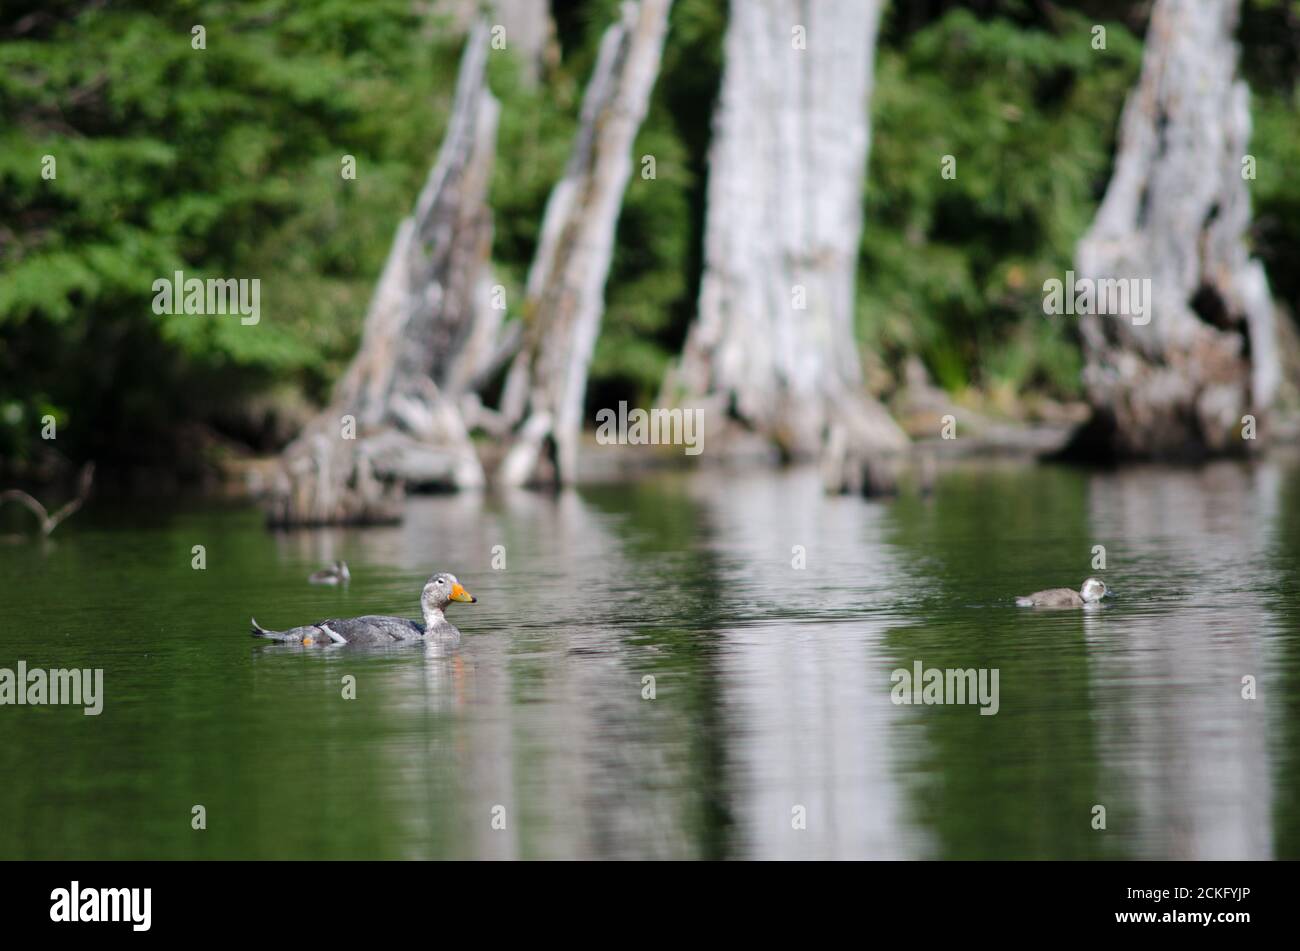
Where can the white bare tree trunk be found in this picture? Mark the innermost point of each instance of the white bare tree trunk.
(394, 419)
(566, 284)
(525, 28)
(1176, 212)
(773, 343)
(530, 33)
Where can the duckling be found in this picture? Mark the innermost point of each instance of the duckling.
(372, 629)
(336, 573)
(1092, 591)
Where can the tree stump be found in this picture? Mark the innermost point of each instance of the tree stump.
(394, 421)
(773, 344)
(1176, 212)
(546, 384)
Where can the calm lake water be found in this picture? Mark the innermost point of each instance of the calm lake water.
(772, 686)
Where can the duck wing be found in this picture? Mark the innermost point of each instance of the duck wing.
(1052, 598)
(371, 629)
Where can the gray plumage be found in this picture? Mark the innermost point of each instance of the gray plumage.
(379, 629)
(336, 573)
(1092, 591)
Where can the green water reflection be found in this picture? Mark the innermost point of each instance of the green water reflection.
(771, 683)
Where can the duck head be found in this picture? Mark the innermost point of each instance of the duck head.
(1093, 590)
(440, 591)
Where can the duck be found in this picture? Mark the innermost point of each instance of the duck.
(336, 573)
(377, 629)
(1091, 591)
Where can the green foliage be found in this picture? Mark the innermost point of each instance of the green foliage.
(1270, 31)
(1275, 144)
(953, 268)
(534, 135)
(224, 161)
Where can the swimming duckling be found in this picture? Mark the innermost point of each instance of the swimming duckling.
(336, 573)
(1093, 590)
(439, 591)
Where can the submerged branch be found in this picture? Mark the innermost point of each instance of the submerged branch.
(48, 522)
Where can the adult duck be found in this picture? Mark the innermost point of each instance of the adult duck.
(378, 629)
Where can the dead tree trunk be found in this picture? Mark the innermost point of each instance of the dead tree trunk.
(566, 284)
(1177, 380)
(530, 32)
(773, 343)
(525, 28)
(394, 421)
